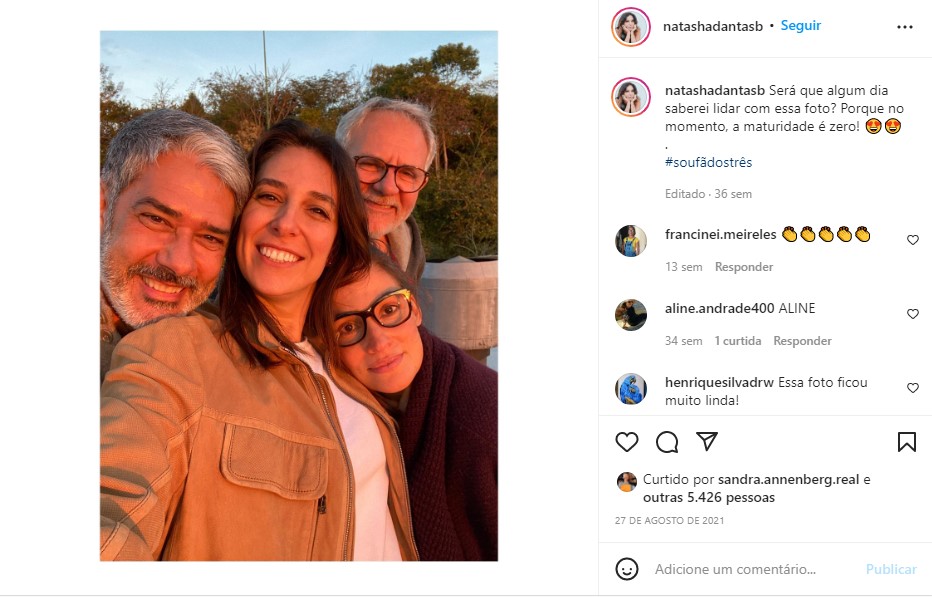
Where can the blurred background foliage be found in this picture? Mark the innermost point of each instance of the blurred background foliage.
(457, 211)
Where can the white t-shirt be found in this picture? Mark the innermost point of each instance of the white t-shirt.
(375, 537)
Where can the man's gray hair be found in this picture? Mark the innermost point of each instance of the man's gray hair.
(417, 113)
(142, 140)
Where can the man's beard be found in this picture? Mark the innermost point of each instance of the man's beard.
(384, 227)
(116, 282)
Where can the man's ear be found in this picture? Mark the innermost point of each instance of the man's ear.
(103, 205)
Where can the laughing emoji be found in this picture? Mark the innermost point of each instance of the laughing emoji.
(873, 126)
(893, 126)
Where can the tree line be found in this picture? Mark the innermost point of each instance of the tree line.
(457, 211)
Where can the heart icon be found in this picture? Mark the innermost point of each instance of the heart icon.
(913, 313)
(912, 387)
(626, 440)
(913, 239)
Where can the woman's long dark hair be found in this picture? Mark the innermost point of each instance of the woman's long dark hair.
(621, 94)
(240, 310)
(385, 263)
(621, 21)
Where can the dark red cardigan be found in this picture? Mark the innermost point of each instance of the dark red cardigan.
(449, 436)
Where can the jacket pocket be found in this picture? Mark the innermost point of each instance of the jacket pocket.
(294, 469)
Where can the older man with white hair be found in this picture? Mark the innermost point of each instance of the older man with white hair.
(393, 144)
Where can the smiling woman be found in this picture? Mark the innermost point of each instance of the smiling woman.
(627, 28)
(286, 233)
(237, 439)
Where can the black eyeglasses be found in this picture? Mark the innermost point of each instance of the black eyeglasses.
(389, 311)
(408, 179)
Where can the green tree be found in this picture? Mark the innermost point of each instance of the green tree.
(243, 104)
(458, 214)
(456, 65)
(323, 100)
(163, 97)
(115, 111)
(192, 105)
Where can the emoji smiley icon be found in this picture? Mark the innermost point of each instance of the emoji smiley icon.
(789, 234)
(807, 234)
(862, 234)
(826, 234)
(843, 234)
(626, 569)
(873, 126)
(893, 126)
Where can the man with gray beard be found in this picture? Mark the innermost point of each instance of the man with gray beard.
(170, 187)
(393, 144)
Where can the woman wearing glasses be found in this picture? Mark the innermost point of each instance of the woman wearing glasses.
(446, 406)
(234, 439)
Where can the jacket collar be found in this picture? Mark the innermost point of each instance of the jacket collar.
(266, 342)
(263, 340)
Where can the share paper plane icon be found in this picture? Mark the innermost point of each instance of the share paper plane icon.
(707, 438)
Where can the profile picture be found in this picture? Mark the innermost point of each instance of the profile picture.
(631, 96)
(627, 482)
(631, 388)
(630, 241)
(630, 26)
(630, 315)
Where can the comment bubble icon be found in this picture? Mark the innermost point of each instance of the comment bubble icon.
(667, 442)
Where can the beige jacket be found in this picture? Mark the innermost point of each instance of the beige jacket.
(205, 458)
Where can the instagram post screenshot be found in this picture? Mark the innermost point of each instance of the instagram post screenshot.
(417, 298)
